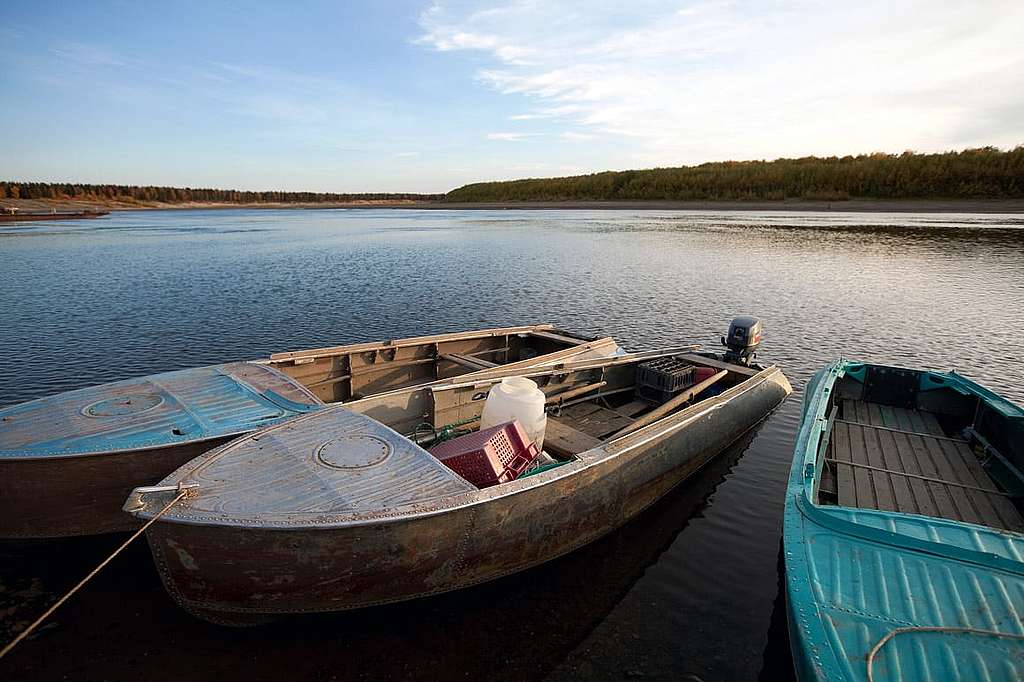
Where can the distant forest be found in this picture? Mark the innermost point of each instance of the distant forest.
(178, 195)
(985, 173)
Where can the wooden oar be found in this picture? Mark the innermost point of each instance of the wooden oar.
(573, 392)
(663, 409)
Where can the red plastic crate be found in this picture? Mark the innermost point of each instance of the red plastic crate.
(485, 458)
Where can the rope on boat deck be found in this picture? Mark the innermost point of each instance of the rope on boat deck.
(38, 621)
(932, 628)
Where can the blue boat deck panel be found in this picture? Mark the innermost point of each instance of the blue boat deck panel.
(863, 588)
(172, 408)
(898, 459)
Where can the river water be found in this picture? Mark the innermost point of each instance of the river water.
(691, 587)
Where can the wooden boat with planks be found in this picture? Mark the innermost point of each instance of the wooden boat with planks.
(68, 461)
(344, 508)
(903, 533)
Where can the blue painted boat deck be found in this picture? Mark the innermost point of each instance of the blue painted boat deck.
(172, 408)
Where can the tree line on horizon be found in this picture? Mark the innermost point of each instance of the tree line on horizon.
(181, 195)
(982, 173)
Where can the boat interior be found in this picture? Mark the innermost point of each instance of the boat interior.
(909, 441)
(588, 403)
(344, 373)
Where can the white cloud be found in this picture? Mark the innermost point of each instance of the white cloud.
(406, 155)
(715, 80)
(577, 137)
(510, 137)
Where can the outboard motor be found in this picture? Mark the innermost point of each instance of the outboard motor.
(744, 338)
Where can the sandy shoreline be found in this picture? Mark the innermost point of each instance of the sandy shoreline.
(1013, 206)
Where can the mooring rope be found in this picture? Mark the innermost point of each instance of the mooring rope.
(948, 630)
(38, 621)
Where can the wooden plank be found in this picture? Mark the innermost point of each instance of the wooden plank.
(467, 361)
(881, 481)
(840, 445)
(579, 410)
(945, 506)
(988, 491)
(965, 507)
(885, 488)
(634, 408)
(562, 439)
(924, 422)
(911, 433)
(903, 497)
(995, 510)
(574, 392)
(868, 488)
(551, 336)
(716, 364)
(1007, 512)
(862, 483)
(923, 501)
(601, 422)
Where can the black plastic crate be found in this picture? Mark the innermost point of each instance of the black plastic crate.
(660, 379)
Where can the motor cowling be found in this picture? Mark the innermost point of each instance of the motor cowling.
(744, 337)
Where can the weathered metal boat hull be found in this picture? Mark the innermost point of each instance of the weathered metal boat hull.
(232, 574)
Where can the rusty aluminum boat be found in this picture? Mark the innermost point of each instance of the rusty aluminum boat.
(342, 508)
(68, 461)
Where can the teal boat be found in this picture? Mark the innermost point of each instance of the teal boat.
(903, 534)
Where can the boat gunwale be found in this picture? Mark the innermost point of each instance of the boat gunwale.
(313, 353)
(585, 460)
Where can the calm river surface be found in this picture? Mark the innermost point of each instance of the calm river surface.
(691, 587)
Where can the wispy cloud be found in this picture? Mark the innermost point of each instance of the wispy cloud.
(86, 54)
(713, 80)
(511, 137)
(405, 155)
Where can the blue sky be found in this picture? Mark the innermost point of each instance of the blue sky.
(422, 96)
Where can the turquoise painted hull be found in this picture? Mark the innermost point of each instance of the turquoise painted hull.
(857, 576)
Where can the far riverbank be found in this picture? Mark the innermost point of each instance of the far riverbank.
(852, 205)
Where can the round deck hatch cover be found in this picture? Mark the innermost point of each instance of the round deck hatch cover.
(123, 405)
(353, 452)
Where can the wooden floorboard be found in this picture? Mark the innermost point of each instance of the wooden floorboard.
(890, 459)
(594, 420)
(634, 408)
(564, 440)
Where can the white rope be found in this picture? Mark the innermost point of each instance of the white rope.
(38, 621)
(899, 631)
